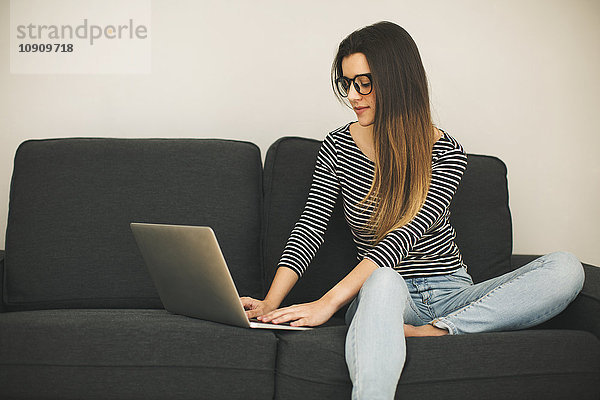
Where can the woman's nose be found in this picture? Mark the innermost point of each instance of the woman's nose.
(353, 93)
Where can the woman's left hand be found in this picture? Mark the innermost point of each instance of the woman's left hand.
(305, 314)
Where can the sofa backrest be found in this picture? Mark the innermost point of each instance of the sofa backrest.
(479, 214)
(289, 165)
(68, 241)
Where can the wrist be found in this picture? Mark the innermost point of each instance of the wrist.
(271, 303)
(332, 301)
(348, 288)
(285, 278)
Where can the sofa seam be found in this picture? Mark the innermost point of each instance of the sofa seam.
(91, 299)
(461, 379)
(130, 366)
(278, 340)
(531, 375)
(265, 212)
(310, 380)
(261, 215)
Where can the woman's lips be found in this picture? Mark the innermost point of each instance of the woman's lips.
(360, 110)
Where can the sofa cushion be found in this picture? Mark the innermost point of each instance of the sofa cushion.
(530, 364)
(68, 241)
(479, 214)
(131, 354)
(289, 165)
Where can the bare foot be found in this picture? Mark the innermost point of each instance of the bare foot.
(424, 330)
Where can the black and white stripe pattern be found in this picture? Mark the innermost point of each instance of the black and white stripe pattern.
(424, 246)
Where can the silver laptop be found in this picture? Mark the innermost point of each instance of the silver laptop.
(191, 275)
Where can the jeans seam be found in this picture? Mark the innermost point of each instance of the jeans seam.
(355, 345)
(423, 301)
(459, 311)
(412, 306)
(431, 311)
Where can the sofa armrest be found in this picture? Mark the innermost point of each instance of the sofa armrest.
(584, 312)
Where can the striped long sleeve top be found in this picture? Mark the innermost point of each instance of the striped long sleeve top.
(424, 246)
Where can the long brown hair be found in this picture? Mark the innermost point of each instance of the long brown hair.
(403, 131)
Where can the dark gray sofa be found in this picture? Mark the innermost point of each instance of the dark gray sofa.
(81, 318)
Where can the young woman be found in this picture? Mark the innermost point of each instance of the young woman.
(397, 174)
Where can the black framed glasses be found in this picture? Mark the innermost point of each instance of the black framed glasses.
(362, 83)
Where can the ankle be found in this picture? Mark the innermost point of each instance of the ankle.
(435, 331)
(423, 330)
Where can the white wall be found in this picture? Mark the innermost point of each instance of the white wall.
(516, 79)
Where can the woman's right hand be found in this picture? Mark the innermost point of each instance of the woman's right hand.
(255, 308)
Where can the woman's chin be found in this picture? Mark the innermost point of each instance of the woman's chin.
(364, 122)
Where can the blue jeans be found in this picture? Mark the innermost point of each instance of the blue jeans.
(375, 343)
